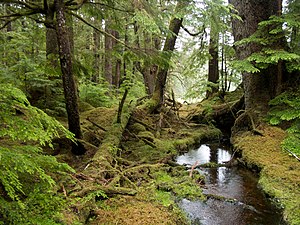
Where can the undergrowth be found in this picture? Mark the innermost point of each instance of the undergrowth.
(286, 109)
(28, 193)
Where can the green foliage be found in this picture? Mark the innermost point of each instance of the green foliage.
(26, 174)
(286, 108)
(96, 94)
(271, 35)
(93, 195)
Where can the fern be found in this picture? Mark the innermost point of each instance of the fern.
(286, 108)
(27, 185)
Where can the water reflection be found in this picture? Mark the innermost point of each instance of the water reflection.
(251, 206)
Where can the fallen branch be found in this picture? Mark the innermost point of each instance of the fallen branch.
(97, 125)
(292, 153)
(193, 168)
(144, 124)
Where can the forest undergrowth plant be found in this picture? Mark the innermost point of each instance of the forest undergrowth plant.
(276, 38)
(28, 193)
(286, 109)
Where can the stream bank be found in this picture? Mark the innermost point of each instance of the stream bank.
(232, 192)
(279, 172)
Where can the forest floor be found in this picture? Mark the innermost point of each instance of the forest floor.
(141, 182)
(279, 172)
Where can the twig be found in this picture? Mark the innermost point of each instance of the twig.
(292, 153)
(193, 168)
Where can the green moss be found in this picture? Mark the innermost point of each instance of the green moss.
(147, 135)
(136, 128)
(165, 198)
(181, 186)
(280, 173)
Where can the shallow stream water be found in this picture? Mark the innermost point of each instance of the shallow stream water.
(249, 205)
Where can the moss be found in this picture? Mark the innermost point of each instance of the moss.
(279, 173)
(84, 106)
(147, 135)
(136, 128)
(130, 210)
(182, 186)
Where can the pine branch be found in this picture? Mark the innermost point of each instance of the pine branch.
(27, 4)
(14, 16)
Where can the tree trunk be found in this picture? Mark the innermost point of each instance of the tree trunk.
(161, 78)
(108, 68)
(260, 87)
(96, 49)
(117, 62)
(213, 64)
(51, 39)
(70, 91)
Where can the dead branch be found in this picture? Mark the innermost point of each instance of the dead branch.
(144, 124)
(97, 125)
(292, 153)
(193, 168)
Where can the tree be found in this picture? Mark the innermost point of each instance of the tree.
(260, 87)
(213, 62)
(69, 85)
(65, 49)
(169, 45)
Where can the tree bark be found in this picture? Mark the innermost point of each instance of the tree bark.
(108, 42)
(117, 62)
(260, 87)
(169, 46)
(96, 49)
(70, 91)
(213, 64)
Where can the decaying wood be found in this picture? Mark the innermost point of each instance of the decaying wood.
(144, 124)
(95, 124)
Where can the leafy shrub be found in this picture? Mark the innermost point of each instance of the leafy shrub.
(95, 94)
(27, 194)
(286, 108)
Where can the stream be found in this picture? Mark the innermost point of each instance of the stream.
(243, 202)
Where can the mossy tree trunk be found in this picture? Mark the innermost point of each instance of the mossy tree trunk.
(169, 46)
(259, 87)
(108, 44)
(70, 91)
(213, 63)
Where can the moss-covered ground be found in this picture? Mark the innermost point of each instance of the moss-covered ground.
(138, 181)
(142, 182)
(279, 171)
